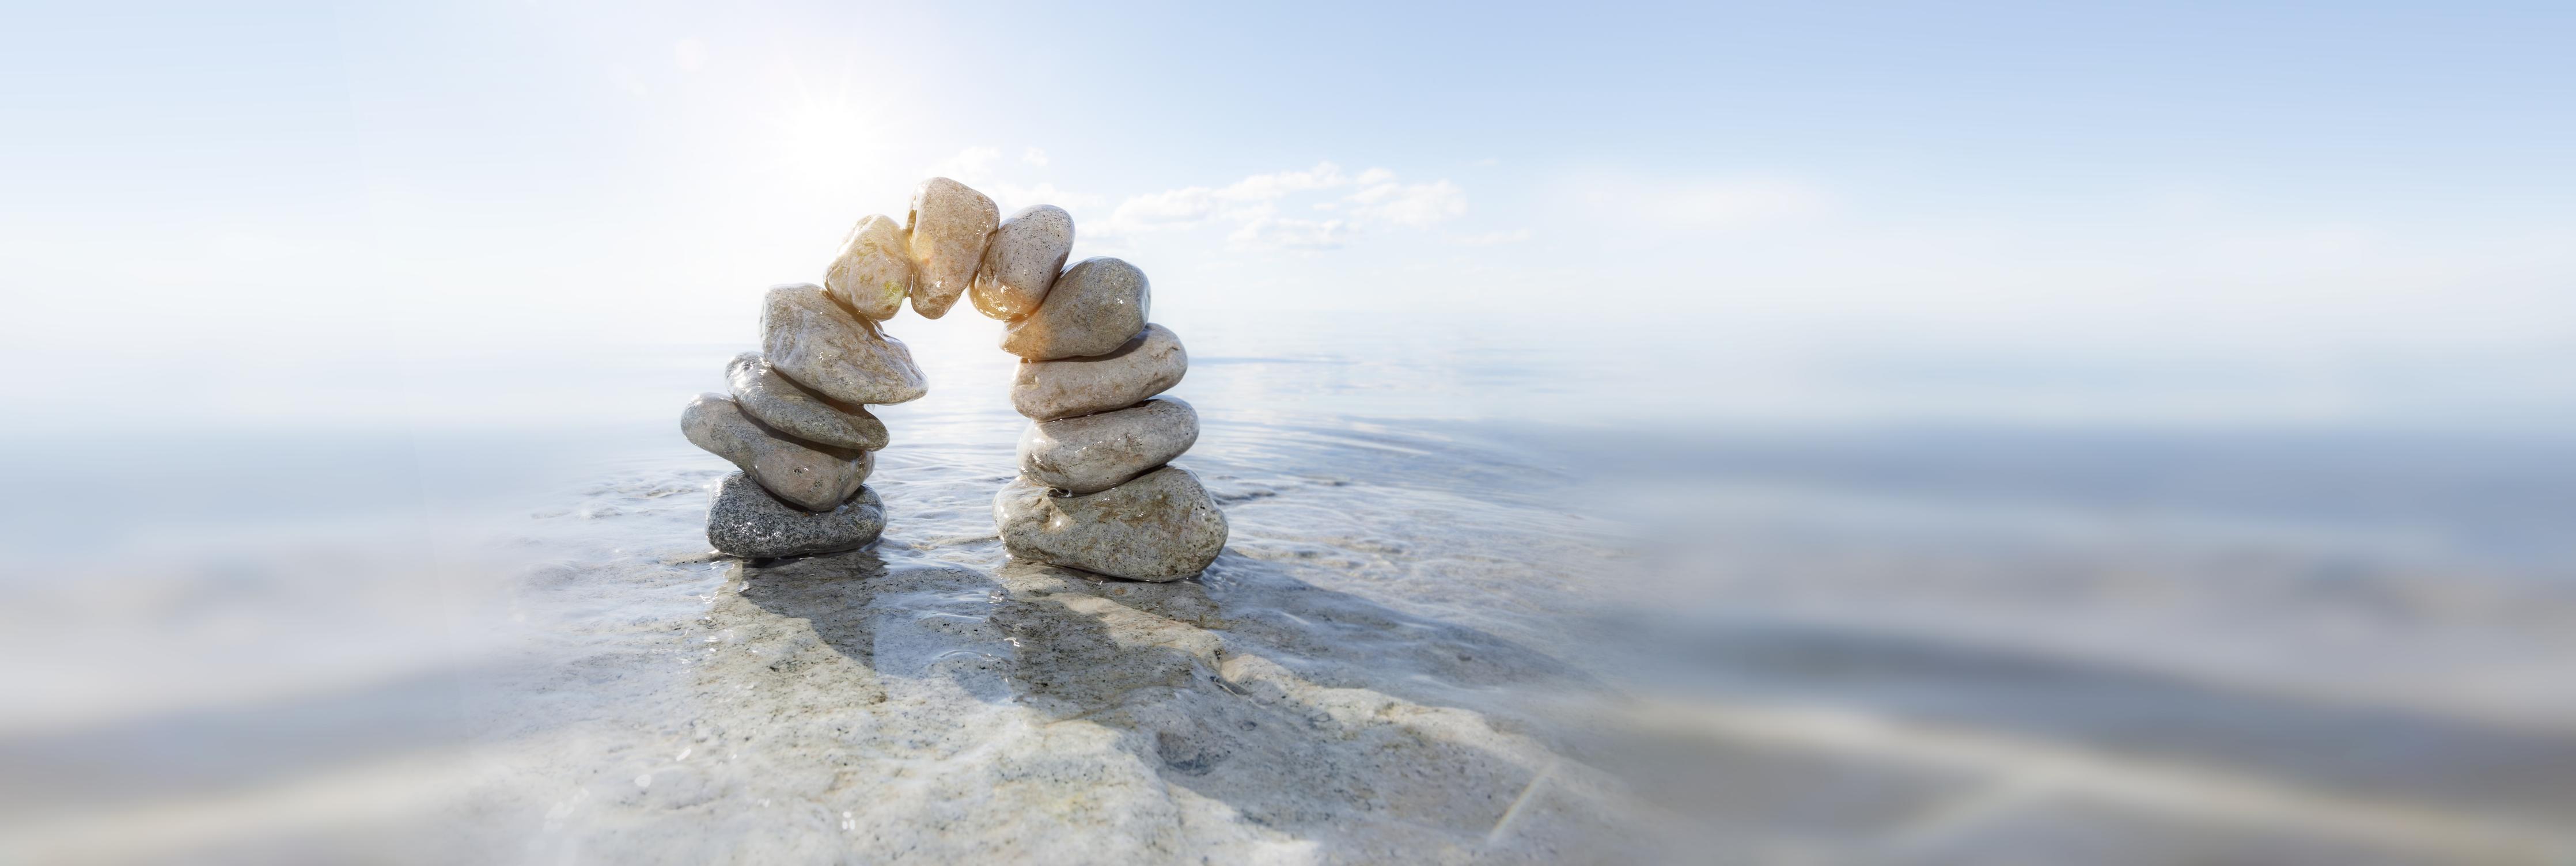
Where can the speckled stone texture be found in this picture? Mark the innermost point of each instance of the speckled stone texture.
(813, 477)
(1093, 453)
(1021, 262)
(1162, 526)
(746, 521)
(1148, 365)
(809, 338)
(798, 411)
(1096, 306)
(949, 223)
(873, 274)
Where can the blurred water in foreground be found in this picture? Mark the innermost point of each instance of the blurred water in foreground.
(1491, 595)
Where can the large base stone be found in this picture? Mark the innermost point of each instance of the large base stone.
(1163, 526)
(748, 522)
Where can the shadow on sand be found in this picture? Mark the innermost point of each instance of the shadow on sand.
(1310, 712)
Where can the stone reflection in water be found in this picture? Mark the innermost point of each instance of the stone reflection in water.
(1073, 718)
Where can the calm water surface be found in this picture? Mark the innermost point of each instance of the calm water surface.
(1490, 594)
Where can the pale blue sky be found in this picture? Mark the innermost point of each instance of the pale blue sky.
(2359, 208)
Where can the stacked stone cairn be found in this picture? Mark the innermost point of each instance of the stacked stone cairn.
(1094, 492)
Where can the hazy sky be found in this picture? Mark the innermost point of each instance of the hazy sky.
(2344, 201)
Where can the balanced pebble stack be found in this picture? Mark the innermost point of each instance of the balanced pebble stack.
(797, 422)
(1094, 492)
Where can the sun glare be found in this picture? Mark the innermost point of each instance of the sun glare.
(823, 133)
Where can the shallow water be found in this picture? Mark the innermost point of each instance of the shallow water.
(1488, 597)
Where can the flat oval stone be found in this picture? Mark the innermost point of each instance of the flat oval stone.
(873, 274)
(808, 338)
(1093, 453)
(1096, 306)
(1162, 526)
(798, 411)
(949, 223)
(1148, 365)
(747, 522)
(811, 477)
(1021, 262)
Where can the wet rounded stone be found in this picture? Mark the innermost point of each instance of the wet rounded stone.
(1162, 526)
(809, 476)
(949, 224)
(1096, 306)
(748, 522)
(1021, 262)
(1093, 453)
(807, 337)
(1148, 365)
(873, 274)
(798, 411)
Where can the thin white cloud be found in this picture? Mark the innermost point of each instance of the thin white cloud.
(983, 169)
(1182, 208)
(1241, 202)
(1011, 197)
(1490, 239)
(969, 166)
(1278, 233)
(1251, 206)
(1265, 187)
(1418, 204)
(1729, 204)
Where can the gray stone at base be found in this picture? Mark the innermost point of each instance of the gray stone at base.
(1162, 526)
(746, 521)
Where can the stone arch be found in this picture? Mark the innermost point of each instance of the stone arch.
(1095, 490)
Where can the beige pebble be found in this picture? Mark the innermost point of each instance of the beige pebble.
(1148, 365)
(807, 337)
(1092, 453)
(873, 274)
(1021, 262)
(949, 224)
(1097, 305)
(799, 411)
(809, 476)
